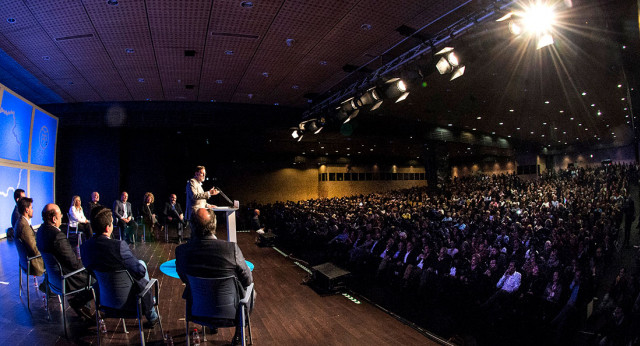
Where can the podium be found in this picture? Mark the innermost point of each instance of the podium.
(230, 213)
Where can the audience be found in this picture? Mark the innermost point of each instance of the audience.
(554, 236)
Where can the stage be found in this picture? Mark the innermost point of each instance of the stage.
(287, 312)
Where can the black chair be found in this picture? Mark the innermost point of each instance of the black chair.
(117, 298)
(24, 265)
(57, 284)
(217, 303)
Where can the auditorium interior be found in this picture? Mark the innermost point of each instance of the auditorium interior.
(406, 157)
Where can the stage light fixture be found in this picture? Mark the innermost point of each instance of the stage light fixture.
(536, 20)
(394, 88)
(312, 126)
(371, 96)
(449, 63)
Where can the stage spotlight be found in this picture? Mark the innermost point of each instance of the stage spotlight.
(395, 89)
(371, 96)
(312, 126)
(349, 105)
(449, 63)
(536, 20)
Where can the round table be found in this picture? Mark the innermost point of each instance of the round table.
(169, 268)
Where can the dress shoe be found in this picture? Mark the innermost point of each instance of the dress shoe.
(151, 324)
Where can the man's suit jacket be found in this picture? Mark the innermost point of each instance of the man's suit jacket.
(119, 208)
(108, 255)
(211, 258)
(53, 241)
(15, 216)
(169, 212)
(196, 196)
(24, 232)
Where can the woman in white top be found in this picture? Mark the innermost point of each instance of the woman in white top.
(77, 218)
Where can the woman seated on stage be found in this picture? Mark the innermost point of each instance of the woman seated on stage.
(77, 218)
(149, 216)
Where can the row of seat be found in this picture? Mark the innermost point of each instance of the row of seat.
(216, 302)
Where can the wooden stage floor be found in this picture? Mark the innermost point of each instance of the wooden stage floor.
(287, 312)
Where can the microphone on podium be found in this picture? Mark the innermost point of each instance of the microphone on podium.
(223, 195)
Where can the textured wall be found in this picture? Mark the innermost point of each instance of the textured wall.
(485, 168)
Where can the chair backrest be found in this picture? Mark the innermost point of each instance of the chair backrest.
(214, 297)
(22, 254)
(54, 273)
(116, 290)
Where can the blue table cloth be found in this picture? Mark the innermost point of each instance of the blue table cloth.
(169, 268)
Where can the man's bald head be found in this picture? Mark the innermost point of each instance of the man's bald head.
(51, 215)
(204, 221)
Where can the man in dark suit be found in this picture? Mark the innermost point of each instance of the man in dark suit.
(15, 216)
(124, 216)
(95, 202)
(174, 215)
(104, 254)
(50, 239)
(24, 232)
(206, 256)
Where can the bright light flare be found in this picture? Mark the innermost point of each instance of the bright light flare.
(539, 18)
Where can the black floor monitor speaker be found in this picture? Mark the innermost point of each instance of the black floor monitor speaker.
(267, 239)
(327, 278)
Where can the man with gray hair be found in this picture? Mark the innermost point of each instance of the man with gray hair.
(206, 256)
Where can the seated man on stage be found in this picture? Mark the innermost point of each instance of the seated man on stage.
(25, 232)
(173, 215)
(15, 216)
(95, 201)
(104, 254)
(124, 216)
(206, 256)
(50, 239)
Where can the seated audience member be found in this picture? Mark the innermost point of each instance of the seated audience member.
(95, 201)
(104, 254)
(124, 216)
(148, 213)
(77, 218)
(25, 232)
(206, 256)
(508, 284)
(17, 194)
(173, 215)
(50, 239)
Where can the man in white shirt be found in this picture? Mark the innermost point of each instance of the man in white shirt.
(196, 196)
(507, 286)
